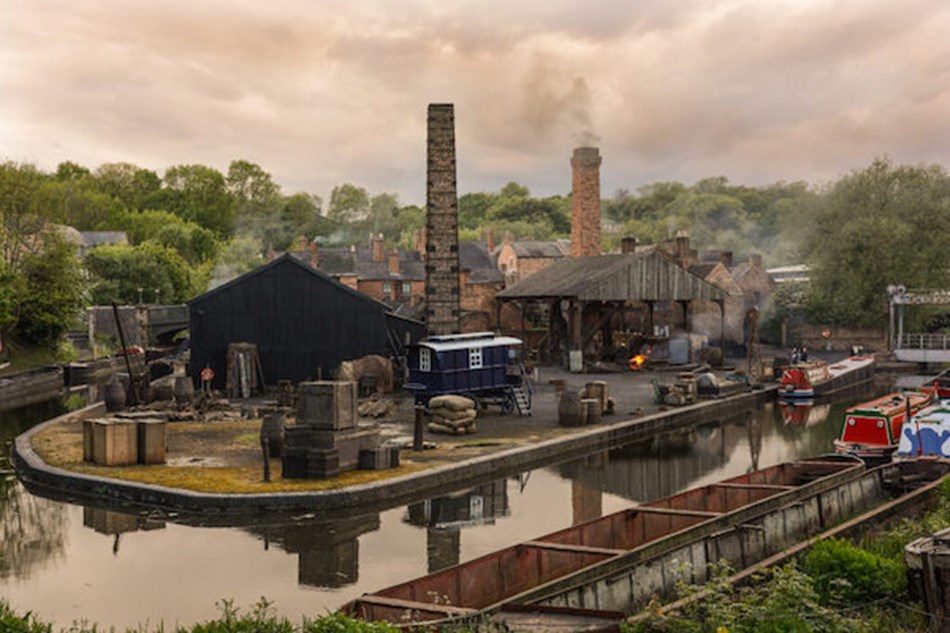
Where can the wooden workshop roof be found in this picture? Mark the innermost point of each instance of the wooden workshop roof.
(646, 275)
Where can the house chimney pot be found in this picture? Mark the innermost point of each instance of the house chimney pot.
(681, 241)
(377, 245)
(756, 260)
(726, 258)
(394, 262)
(628, 244)
(491, 240)
(314, 255)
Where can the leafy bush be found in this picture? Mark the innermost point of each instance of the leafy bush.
(846, 574)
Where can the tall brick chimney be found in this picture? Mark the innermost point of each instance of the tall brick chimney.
(394, 262)
(443, 313)
(585, 202)
(376, 241)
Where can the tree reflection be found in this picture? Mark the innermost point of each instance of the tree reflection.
(32, 530)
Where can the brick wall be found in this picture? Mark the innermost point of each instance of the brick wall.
(442, 257)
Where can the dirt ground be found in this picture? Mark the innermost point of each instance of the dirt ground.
(230, 440)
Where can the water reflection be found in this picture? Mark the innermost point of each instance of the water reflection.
(175, 567)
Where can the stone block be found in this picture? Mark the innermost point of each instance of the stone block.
(114, 442)
(151, 441)
(328, 405)
(394, 457)
(570, 411)
(87, 441)
(591, 410)
(374, 459)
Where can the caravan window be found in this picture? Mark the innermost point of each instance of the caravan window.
(475, 357)
(425, 359)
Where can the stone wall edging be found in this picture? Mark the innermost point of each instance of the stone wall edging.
(34, 471)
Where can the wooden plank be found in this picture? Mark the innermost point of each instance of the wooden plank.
(677, 512)
(398, 603)
(753, 486)
(580, 549)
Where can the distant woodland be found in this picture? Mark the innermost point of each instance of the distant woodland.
(194, 225)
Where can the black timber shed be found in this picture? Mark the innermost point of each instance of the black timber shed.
(303, 322)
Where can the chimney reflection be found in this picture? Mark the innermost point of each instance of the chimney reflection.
(444, 517)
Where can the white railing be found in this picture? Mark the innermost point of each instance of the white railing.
(925, 341)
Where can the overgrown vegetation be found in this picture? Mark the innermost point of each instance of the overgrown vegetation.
(836, 586)
(260, 618)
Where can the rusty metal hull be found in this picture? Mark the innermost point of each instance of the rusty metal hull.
(619, 561)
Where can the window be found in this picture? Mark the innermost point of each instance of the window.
(406, 289)
(474, 357)
(425, 359)
(387, 289)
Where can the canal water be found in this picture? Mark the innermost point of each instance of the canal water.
(68, 562)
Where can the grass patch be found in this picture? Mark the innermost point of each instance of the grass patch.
(232, 444)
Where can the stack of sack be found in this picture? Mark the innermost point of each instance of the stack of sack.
(454, 415)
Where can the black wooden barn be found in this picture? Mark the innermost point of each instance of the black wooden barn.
(303, 322)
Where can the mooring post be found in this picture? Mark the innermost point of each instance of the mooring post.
(418, 429)
(265, 447)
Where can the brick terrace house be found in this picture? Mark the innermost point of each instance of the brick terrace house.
(396, 277)
(520, 259)
(479, 280)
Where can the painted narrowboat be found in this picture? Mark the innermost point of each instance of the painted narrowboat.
(927, 432)
(816, 377)
(480, 365)
(872, 429)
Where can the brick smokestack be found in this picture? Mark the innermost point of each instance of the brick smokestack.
(585, 202)
(443, 312)
(394, 262)
(377, 244)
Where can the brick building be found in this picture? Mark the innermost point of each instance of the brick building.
(520, 259)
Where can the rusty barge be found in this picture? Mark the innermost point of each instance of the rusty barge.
(619, 561)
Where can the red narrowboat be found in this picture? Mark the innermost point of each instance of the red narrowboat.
(872, 429)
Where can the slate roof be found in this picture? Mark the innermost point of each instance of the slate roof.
(542, 248)
(340, 262)
(100, 238)
(475, 258)
(646, 275)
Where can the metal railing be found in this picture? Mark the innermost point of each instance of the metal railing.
(924, 341)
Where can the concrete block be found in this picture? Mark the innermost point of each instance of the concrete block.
(151, 441)
(114, 442)
(327, 405)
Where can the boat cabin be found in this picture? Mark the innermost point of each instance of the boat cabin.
(872, 429)
(927, 432)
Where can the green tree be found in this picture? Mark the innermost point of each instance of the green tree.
(199, 194)
(52, 294)
(348, 204)
(129, 184)
(21, 214)
(118, 272)
(473, 209)
(885, 224)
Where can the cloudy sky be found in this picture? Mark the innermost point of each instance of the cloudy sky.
(320, 92)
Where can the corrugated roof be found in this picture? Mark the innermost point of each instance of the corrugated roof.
(643, 276)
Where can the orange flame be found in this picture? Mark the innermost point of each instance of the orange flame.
(636, 362)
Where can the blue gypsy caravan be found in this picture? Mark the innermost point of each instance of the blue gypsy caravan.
(480, 366)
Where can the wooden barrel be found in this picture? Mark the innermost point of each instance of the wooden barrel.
(592, 410)
(184, 390)
(570, 411)
(114, 396)
(161, 392)
(272, 429)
